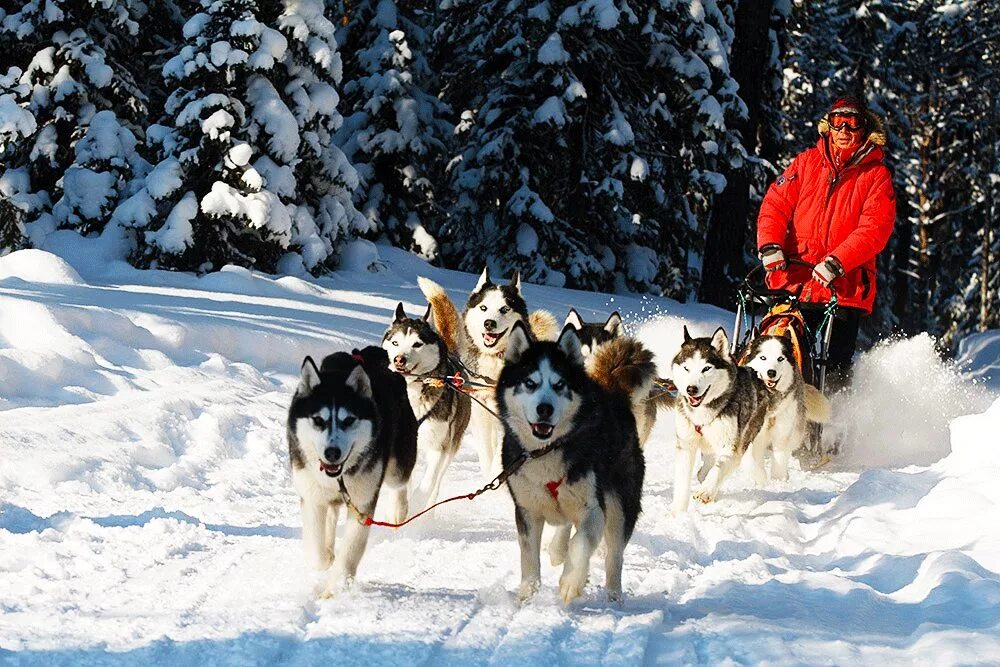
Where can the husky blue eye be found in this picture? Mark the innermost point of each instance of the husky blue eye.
(482, 308)
(395, 343)
(781, 358)
(530, 384)
(763, 358)
(416, 345)
(706, 369)
(559, 386)
(504, 310)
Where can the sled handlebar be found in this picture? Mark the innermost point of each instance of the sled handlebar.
(751, 290)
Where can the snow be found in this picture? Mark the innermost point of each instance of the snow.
(15, 121)
(177, 233)
(146, 513)
(552, 111)
(262, 210)
(552, 51)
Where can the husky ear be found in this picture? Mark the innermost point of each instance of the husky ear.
(484, 280)
(515, 281)
(517, 343)
(687, 336)
(429, 317)
(359, 382)
(721, 342)
(755, 332)
(308, 376)
(573, 319)
(400, 313)
(569, 343)
(614, 325)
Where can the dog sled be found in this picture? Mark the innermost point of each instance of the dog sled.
(761, 310)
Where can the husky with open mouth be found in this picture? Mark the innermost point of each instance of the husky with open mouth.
(720, 408)
(490, 314)
(582, 463)
(794, 404)
(350, 431)
(418, 349)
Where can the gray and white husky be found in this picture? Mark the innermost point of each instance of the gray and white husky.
(417, 351)
(349, 423)
(793, 405)
(720, 409)
(490, 315)
(592, 475)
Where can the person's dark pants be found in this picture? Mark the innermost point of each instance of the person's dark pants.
(843, 342)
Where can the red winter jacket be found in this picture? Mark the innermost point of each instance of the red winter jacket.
(813, 211)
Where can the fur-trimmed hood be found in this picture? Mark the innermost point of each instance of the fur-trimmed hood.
(876, 131)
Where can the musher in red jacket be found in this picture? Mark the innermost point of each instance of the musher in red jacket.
(835, 208)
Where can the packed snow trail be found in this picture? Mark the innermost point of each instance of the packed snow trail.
(146, 513)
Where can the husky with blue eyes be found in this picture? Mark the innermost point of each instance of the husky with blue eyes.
(720, 408)
(579, 457)
(350, 430)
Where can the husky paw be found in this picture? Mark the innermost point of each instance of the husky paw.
(336, 585)
(527, 590)
(678, 510)
(704, 496)
(571, 586)
(559, 546)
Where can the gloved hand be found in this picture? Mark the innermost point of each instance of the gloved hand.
(773, 258)
(825, 272)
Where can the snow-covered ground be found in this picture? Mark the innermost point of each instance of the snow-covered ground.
(146, 513)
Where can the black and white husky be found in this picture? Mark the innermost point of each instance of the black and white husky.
(720, 409)
(591, 477)
(621, 363)
(349, 424)
(417, 351)
(793, 405)
(490, 315)
(593, 334)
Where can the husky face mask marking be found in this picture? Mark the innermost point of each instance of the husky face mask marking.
(701, 370)
(542, 404)
(335, 424)
(593, 334)
(772, 358)
(412, 345)
(492, 310)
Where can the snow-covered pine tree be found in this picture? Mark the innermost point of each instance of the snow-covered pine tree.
(590, 138)
(396, 130)
(65, 61)
(247, 172)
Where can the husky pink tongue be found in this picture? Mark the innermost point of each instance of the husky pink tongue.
(542, 431)
(331, 469)
(490, 339)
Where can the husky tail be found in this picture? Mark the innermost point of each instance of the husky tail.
(446, 319)
(624, 366)
(817, 405)
(544, 325)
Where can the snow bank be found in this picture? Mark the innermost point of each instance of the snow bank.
(146, 513)
(38, 266)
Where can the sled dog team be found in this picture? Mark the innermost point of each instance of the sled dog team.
(569, 413)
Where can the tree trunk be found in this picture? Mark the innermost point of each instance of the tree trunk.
(730, 222)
